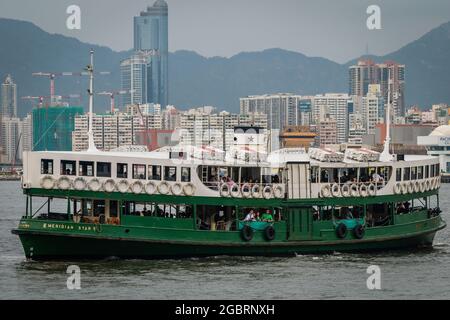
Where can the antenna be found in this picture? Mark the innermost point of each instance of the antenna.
(90, 70)
(385, 156)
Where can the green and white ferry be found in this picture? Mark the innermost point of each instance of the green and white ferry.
(166, 204)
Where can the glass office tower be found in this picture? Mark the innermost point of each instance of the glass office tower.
(151, 35)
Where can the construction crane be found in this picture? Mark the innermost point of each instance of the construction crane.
(53, 75)
(112, 95)
(41, 98)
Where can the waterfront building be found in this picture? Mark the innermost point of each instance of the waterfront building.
(437, 144)
(9, 98)
(11, 139)
(135, 78)
(297, 137)
(327, 129)
(27, 133)
(151, 36)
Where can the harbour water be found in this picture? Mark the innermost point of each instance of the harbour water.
(414, 274)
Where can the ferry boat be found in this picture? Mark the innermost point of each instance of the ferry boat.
(166, 204)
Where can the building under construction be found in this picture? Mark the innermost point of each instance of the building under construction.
(53, 126)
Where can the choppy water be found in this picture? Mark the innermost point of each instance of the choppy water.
(418, 274)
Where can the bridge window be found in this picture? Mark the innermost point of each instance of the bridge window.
(138, 171)
(154, 172)
(420, 172)
(46, 166)
(398, 174)
(86, 168)
(406, 174)
(68, 167)
(103, 169)
(122, 170)
(413, 173)
(170, 173)
(427, 172)
(185, 174)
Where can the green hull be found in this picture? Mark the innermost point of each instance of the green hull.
(41, 244)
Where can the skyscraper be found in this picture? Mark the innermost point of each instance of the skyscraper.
(9, 98)
(136, 78)
(151, 35)
(366, 72)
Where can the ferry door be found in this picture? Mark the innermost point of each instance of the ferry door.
(299, 186)
(299, 223)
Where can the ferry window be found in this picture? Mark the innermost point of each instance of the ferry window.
(406, 174)
(427, 172)
(432, 170)
(103, 169)
(185, 174)
(170, 173)
(398, 174)
(68, 167)
(99, 207)
(86, 168)
(420, 172)
(113, 208)
(154, 172)
(46, 166)
(324, 176)
(138, 171)
(437, 170)
(122, 170)
(413, 173)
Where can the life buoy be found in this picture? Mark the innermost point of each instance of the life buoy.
(267, 192)
(427, 185)
(94, 184)
(372, 190)
(247, 233)
(325, 191)
(269, 233)
(109, 185)
(246, 190)
(47, 182)
(363, 190)
(341, 231)
(398, 188)
(256, 191)
(278, 191)
(163, 188)
(235, 191)
(177, 189)
(422, 186)
(123, 186)
(354, 191)
(224, 190)
(404, 187)
(335, 190)
(150, 187)
(137, 187)
(79, 183)
(416, 186)
(410, 187)
(345, 190)
(189, 189)
(64, 183)
(358, 231)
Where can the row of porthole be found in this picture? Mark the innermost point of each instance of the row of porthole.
(417, 186)
(348, 190)
(123, 186)
(248, 191)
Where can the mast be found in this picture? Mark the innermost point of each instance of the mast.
(90, 70)
(385, 156)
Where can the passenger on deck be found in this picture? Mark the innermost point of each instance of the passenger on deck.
(250, 216)
(267, 216)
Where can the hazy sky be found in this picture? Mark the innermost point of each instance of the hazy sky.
(332, 29)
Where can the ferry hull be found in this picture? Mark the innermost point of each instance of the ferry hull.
(41, 246)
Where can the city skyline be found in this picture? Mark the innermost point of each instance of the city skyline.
(209, 21)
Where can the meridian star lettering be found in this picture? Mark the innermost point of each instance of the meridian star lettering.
(192, 310)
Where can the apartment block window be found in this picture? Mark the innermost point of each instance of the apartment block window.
(46, 166)
(86, 168)
(68, 167)
(103, 169)
(185, 174)
(170, 173)
(154, 172)
(138, 171)
(122, 170)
